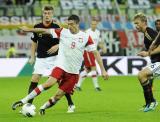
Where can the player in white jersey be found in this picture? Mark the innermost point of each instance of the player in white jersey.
(89, 59)
(68, 63)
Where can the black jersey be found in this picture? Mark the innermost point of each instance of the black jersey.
(149, 37)
(45, 41)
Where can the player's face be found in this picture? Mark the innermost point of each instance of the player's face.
(158, 25)
(94, 25)
(139, 25)
(47, 15)
(73, 26)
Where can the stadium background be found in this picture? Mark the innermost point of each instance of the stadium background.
(121, 96)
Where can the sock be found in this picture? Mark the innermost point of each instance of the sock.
(33, 94)
(93, 74)
(147, 90)
(69, 99)
(151, 81)
(95, 82)
(32, 86)
(83, 75)
(49, 103)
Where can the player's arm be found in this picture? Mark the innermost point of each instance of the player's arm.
(99, 60)
(33, 52)
(54, 32)
(155, 51)
(102, 46)
(92, 47)
(155, 43)
(35, 30)
(53, 49)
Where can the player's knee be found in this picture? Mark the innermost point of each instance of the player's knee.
(83, 74)
(142, 76)
(35, 78)
(58, 96)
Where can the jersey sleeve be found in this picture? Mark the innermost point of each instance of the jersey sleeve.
(56, 32)
(90, 46)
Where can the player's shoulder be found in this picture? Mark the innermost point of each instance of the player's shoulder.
(54, 25)
(151, 31)
(148, 29)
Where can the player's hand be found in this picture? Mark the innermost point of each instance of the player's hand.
(105, 75)
(31, 61)
(143, 53)
(53, 49)
(25, 28)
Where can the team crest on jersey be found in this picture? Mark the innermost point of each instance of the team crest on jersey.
(80, 40)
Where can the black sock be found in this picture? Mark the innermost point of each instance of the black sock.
(147, 90)
(151, 81)
(32, 86)
(69, 99)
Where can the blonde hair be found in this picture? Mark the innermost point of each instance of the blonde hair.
(140, 16)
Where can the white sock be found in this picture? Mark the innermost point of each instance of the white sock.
(83, 75)
(95, 82)
(94, 78)
(49, 103)
(33, 94)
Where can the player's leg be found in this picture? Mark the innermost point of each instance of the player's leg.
(34, 82)
(48, 84)
(71, 105)
(66, 86)
(144, 77)
(151, 81)
(98, 69)
(52, 101)
(39, 68)
(83, 75)
(93, 75)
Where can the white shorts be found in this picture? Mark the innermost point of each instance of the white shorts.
(155, 69)
(44, 66)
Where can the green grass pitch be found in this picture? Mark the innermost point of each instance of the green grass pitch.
(119, 101)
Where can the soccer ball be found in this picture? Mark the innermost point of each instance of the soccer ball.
(28, 110)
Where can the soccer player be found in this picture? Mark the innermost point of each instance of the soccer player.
(152, 70)
(89, 59)
(157, 25)
(46, 48)
(11, 52)
(68, 63)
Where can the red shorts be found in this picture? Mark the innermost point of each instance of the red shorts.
(89, 59)
(66, 80)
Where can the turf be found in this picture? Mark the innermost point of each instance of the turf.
(119, 101)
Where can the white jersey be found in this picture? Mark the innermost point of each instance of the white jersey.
(71, 49)
(94, 34)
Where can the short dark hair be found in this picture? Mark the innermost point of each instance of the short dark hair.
(11, 44)
(48, 7)
(158, 20)
(74, 18)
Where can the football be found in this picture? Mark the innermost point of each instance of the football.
(28, 110)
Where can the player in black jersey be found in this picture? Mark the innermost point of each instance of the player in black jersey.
(47, 50)
(152, 70)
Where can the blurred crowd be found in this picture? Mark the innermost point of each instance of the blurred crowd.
(16, 2)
